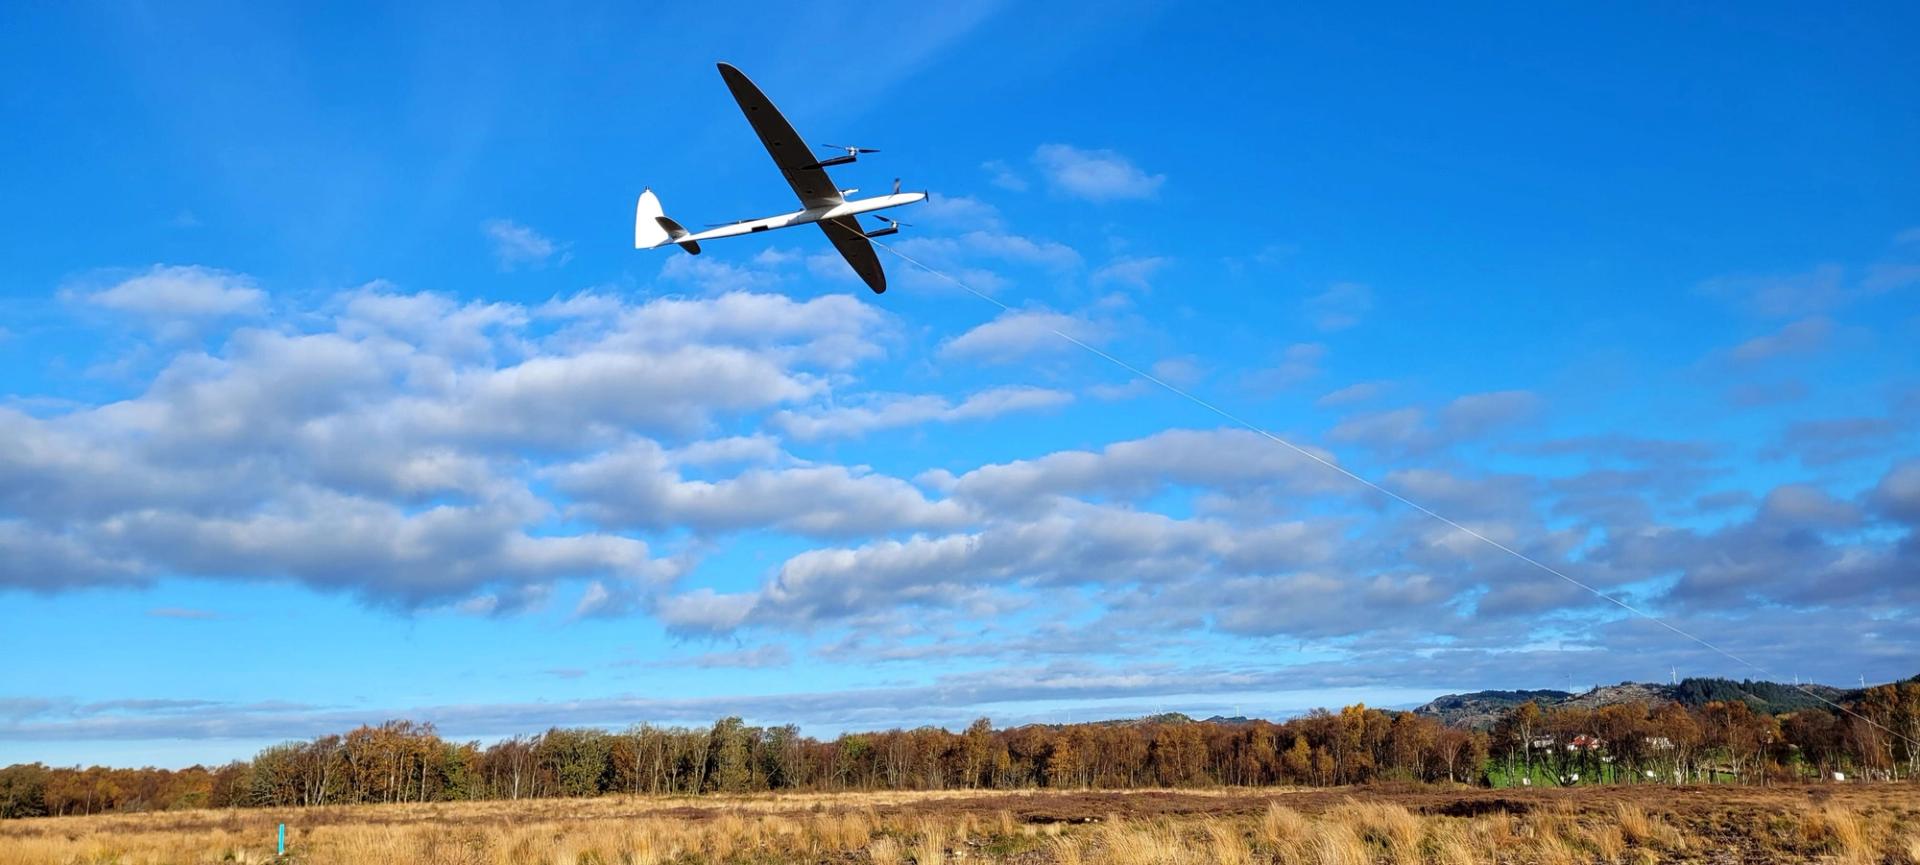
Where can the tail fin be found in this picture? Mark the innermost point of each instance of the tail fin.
(648, 233)
(652, 229)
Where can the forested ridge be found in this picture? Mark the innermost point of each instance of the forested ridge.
(1633, 742)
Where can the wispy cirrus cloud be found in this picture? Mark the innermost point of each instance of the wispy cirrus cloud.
(176, 301)
(182, 613)
(1805, 336)
(1131, 271)
(1016, 334)
(584, 456)
(1341, 306)
(894, 411)
(517, 246)
(1094, 175)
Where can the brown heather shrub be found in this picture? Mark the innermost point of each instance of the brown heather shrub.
(1856, 826)
(1281, 828)
(1226, 844)
(1122, 842)
(1836, 829)
(1385, 826)
(884, 851)
(1450, 842)
(1606, 840)
(1549, 848)
(1334, 844)
(931, 849)
(1064, 851)
(848, 830)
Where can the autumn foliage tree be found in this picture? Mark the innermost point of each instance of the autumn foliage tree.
(402, 761)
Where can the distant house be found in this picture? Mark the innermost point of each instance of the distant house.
(1659, 743)
(1584, 742)
(1541, 743)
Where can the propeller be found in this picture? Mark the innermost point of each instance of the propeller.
(893, 223)
(850, 149)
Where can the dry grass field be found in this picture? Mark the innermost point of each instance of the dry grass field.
(1853, 824)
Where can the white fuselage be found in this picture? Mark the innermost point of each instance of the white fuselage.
(811, 214)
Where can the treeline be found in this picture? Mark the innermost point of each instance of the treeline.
(1762, 696)
(1876, 736)
(401, 761)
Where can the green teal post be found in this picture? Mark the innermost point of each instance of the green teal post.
(283, 839)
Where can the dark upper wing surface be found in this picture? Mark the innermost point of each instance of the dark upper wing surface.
(847, 236)
(795, 158)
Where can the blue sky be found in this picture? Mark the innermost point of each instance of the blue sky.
(331, 390)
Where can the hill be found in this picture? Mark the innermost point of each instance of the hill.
(1480, 709)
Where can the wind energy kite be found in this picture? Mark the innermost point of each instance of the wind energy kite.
(822, 202)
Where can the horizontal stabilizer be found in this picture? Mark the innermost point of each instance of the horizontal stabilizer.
(676, 232)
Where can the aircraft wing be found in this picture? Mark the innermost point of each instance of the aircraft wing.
(851, 240)
(795, 158)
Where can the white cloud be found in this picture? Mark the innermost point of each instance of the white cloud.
(759, 657)
(1397, 429)
(423, 452)
(959, 210)
(1137, 272)
(516, 245)
(637, 487)
(888, 412)
(1476, 413)
(1300, 362)
(1801, 337)
(1016, 334)
(1816, 290)
(389, 445)
(1412, 429)
(992, 245)
(1358, 392)
(1221, 459)
(1095, 175)
(714, 276)
(178, 293)
(1180, 372)
(182, 613)
(1341, 306)
(704, 611)
(1898, 492)
(1819, 291)
(1002, 175)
